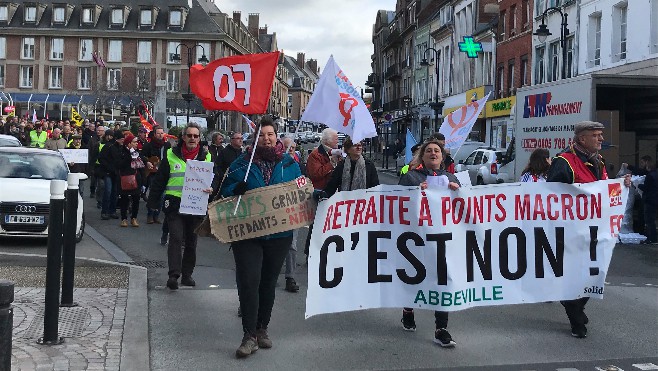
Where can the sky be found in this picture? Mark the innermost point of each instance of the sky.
(319, 28)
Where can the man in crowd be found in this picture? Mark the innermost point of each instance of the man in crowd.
(169, 180)
(55, 142)
(229, 154)
(94, 147)
(38, 136)
(141, 138)
(649, 198)
(215, 148)
(154, 151)
(66, 133)
(107, 159)
(88, 133)
(581, 163)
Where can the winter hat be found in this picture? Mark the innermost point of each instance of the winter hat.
(128, 139)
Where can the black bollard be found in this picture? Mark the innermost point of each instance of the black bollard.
(6, 323)
(54, 264)
(70, 229)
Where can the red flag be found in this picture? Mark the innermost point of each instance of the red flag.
(240, 83)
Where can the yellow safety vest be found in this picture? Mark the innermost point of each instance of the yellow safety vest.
(38, 141)
(177, 174)
(100, 148)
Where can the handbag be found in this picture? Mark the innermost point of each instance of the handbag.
(128, 182)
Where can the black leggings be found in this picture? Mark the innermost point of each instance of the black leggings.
(440, 318)
(124, 199)
(257, 267)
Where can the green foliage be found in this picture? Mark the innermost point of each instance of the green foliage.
(176, 131)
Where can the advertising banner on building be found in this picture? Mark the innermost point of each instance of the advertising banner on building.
(395, 246)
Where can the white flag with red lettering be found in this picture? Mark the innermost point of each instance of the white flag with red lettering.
(338, 104)
(458, 124)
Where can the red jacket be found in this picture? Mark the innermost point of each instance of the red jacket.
(319, 167)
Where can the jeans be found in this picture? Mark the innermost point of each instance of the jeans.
(109, 196)
(650, 222)
(124, 200)
(181, 252)
(156, 213)
(291, 257)
(100, 190)
(257, 266)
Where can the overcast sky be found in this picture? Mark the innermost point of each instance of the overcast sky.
(319, 28)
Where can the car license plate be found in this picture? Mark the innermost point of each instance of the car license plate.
(24, 219)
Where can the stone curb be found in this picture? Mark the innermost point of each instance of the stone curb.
(135, 345)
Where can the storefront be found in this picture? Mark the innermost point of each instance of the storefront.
(499, 122)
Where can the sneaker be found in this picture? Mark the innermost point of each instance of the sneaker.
(114, 216)
(172, 283)
(579, 331)
(134, 222)
(124, 223)
(247, 347)
(105, 217)
(149, 220)
(163, 239)
(443, 338)
(408, 321)
(291, 285)
(262, 338)
(187, 281)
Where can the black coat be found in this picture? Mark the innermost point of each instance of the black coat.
(107, 159)
(123, 167)
(334, 185)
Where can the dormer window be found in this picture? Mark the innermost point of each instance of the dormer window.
(87, 15)
(117, 16)
(4, 13)
(59, 14)
(175, 18)
(146, 17)
(30, 13)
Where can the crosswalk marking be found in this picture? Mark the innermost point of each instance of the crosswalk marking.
(646, 366)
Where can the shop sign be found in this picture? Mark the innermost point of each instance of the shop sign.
(500, 107)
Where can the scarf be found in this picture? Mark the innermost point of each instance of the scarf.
(592, 158)
(135, 161)
(357, 178)
(189, 154)
(266, 158)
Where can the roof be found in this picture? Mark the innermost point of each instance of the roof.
(198, 20)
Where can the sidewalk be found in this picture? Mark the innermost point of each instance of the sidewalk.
(108, 330)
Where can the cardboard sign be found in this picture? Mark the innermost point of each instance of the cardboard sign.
(263, 211)
(78, 156)
(198, 176)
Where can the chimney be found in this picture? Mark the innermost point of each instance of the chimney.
(253, 24)
(262, 30)
(313, 64)
(236, 16)
(300, 60)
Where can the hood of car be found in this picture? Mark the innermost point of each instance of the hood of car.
(19, 189)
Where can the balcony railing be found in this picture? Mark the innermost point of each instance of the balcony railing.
(373, 80)
(392, 72)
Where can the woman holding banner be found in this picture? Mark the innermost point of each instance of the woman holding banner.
(432, 155)
(258, 261)
(357, 173)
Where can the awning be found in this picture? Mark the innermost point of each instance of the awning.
(40, 98)
(88, 99)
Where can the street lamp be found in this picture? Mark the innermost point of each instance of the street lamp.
(436, 105)
(203, 60)
(542, 33)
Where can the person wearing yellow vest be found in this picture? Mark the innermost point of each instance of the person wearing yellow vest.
(38, 137)
(95, 145)
(581, 163)
(169, 180)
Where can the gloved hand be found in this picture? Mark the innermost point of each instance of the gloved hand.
(319, 194)
(240, 188)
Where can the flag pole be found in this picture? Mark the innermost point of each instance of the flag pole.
(251, 160)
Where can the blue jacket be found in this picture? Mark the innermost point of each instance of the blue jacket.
(284, 171)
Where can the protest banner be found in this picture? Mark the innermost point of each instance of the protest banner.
(198, 176)
(396, 246)
(77, 156)
(263, 211)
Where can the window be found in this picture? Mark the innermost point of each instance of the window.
(569, 56)
(540, 66)
(510, 76)
(201, 50)
(58, 15)
(171, 51)
(117, 16)
(114, 51)
(512, 20)
(4, 13)
(87, 15)
(621, 12)
(524, 70)
(503, 24)
(3, 47)
(2, 75)
(554, 61)
(27, 73)
(143, 79)
(525, 13)
(594, 40)
(86, 49)
(56, 49)
(113, 78)
(175, 18)
(84, 78)
(146, 17)
(173, 80)
(28, 48)
(55, 78)
(30, 14)
(143, 51)
(500, 80)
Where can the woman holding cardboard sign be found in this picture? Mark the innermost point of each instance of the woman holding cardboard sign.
(430, 173)
(258, 261)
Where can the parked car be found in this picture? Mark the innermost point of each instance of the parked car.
(9, 141)
(507, 167)
(465, 150)
(341, 139)
(482, 165)
(25, 175)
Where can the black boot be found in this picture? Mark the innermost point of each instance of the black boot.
(291, 285)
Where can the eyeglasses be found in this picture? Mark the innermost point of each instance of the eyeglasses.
(192, 136)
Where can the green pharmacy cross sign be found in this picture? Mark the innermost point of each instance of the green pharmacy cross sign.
(470, 47)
